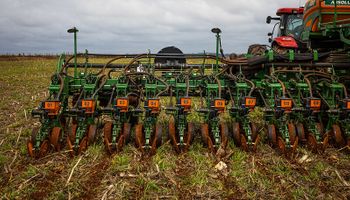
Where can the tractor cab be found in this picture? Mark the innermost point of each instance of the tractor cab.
(290, 27)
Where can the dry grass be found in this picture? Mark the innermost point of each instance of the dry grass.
(128, 175)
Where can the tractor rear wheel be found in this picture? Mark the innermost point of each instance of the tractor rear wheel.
(257, 49)
(279, 50)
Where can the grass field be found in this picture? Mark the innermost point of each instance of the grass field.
(96, 175)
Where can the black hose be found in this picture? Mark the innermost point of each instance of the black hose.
(111, 98)
(101, 85)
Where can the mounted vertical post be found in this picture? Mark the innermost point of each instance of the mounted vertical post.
(217, 31)
(74, 30)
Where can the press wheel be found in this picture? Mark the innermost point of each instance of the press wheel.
(244, 144)
(157, 138)
(206, 138)
(56, 134)
(71, 139)
(311, 140)
(254, 131)
(301, 132)
(272, 134)
(107, 136)
(126, 132)
(92, 133)
(236, 133)
(281, 145)
(189, 135)
(292, 133)
(44, 148)
(320, 129)
(224, 135)
(172, 134)
(83, 145)
(255, 136)
(139, 138)
(338, 135)
(30, 143)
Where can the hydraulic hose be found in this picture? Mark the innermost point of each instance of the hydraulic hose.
(109, 62)
(111, 98)
(101, 85)
(134, 60)
(187, 85)
(61, 86)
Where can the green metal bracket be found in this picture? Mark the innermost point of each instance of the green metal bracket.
(270, 55)
(74, 30)
(315, 55)
(291, 55)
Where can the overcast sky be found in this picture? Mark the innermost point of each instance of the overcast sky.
(133, 26)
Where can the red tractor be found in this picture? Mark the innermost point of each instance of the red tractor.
(290, 28)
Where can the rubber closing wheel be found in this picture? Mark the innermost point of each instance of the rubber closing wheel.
(311, 140)
(157, 138)
(255, 136)
(126, 132)
(56, 134)
(107, 136)
(71, 139)
(83, 145)
(224, 135)
(281, 145)
(301, 132)
(244, 144)
(44, 148)
(30, 143)
(139, 139)
(236, 133)
(254, 131)
(91, 133)
(206, 138)
(292, 133)
(189, 135)
(338, 135)
(172, 134)
(271, 129)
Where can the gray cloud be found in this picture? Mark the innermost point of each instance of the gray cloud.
(133, 26)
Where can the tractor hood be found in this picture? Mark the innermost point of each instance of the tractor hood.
(286, 41)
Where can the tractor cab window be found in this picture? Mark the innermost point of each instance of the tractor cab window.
(294, 25)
